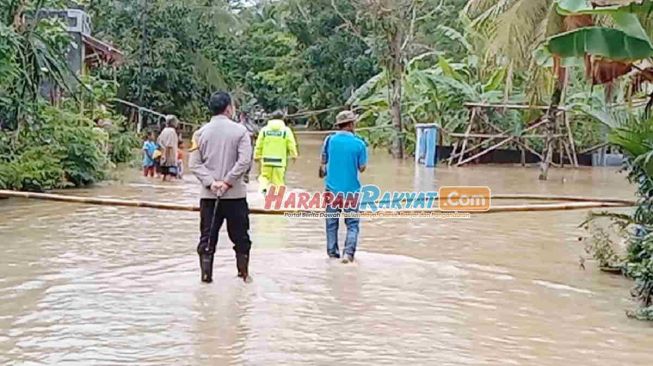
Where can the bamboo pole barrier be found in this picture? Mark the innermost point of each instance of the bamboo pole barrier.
(472, 120)
(541, 197)
(554, 207)
(575, 203)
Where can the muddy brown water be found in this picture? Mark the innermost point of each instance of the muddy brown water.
(82, 285)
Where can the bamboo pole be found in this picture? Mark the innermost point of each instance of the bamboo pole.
(489, 149)
(553, 207)
(540, 197)
(572, 143)
(594, 148)
(453, 153)
(474, 147)
(574, 203)
(472, 119)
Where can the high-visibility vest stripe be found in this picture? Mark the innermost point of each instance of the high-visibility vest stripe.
(274, 133)
(272, 160)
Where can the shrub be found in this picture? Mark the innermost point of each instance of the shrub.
(62, 149)
(36, 169)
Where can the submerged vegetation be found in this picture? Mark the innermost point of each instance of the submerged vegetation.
(636, 229)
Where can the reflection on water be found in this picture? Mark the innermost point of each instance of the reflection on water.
(103, 285)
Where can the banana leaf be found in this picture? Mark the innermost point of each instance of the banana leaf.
(496, 80)
(448, 69)
(614, 44)
(585, 7)
(366, 89)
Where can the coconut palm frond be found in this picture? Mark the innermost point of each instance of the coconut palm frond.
(517, 29)
(477, 7)
(366, 89)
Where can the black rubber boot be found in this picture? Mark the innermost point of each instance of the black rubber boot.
(206, 265)
(242, 263)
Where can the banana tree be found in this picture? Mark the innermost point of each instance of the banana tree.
(609, 52)
(434, 93)
(613, 52)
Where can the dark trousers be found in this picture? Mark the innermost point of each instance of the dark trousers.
(236, 213)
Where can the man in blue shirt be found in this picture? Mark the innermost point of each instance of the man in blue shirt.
(344, 156)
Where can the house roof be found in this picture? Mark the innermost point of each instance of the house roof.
(98, 51)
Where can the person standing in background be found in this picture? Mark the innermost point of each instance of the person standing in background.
(221, 153)
(274, 145)
(149, 148)
(344, 156)
(168, 141)
(180, 159)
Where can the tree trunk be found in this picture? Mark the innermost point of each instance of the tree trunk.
(396, 73)
(551, 117)
(143, 54)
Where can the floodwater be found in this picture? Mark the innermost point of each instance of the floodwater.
(82, 285)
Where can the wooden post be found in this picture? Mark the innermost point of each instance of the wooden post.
(493, 147)
(453, 153)
(139, 126)
(568, 151)
(572, 144)
(472, 118)
(561, 153)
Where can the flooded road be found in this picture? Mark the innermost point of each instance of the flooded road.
(84, 285)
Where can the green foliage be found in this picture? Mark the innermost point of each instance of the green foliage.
(36, 169)
(30, 54)
(50, 146)
(635, 139)
(601, 244)
(62, 149)
(121, 145)
(605, 42)
(335, 62)
(286, 54)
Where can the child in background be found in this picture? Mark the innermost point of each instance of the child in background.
(180, 160)
(149, 148)
(157, 161)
